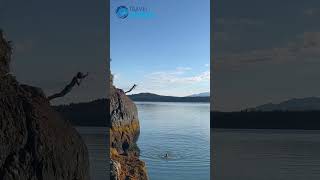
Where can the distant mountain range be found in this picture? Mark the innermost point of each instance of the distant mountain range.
(301, 104)
(92, 113)
(295, 113)
(291, 114)
(95, 113)
(159, 98)
(204, 94)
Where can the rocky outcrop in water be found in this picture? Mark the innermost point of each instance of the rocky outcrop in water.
(124, 133)
(35, 142)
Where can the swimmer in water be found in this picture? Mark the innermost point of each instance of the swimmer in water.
(166, 156)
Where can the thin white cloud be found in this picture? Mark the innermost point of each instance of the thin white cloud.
(177, 76)
(183, 69)
(116, 77)
(205, 76)
(177, 71)
(177, 82)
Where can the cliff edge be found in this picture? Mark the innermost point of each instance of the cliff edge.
(35, 142)
(124, 133)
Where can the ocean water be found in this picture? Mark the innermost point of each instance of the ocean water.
(182, 130)
(96, 141)
(265, 154)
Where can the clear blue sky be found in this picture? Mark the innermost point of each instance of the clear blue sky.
(167, 54)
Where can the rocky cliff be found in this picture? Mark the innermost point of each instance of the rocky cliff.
(35, 142)
(124, 133)
(5, 54)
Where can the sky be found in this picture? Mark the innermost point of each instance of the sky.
(265, 52)
(53, 40)
(167, 53)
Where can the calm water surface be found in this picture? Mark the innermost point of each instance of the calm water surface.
(96, 141)
(183, 131)
(266, 154)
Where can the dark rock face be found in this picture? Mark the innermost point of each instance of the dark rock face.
(125, 123)
(124, 133)
(35, 142)
(5, 54)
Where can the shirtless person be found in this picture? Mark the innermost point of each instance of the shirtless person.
(76, 80)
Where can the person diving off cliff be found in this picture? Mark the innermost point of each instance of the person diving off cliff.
(132, 88)
(76, 80)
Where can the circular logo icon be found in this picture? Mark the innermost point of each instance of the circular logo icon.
(122, 12)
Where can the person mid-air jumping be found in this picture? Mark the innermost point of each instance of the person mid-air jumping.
(76, 80)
